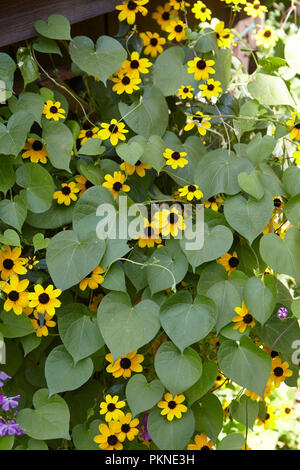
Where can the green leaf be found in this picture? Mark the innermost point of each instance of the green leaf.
(244, 411)
(102, 61)
(291, 50)
(260, 148)
(115, 279)
(36, 444)
(45, 45)
(92, 147)
(245, 363)
(223, 67)
(251, 184)
(58, 27)
(177, 371)
(170, 435)
(126, 328)
(32, 103)
(27, 65)
(153, 153)
(10, 237)
(7, 174)
(270, 90)
(148, 117)
(291, 180)
(80, 335)
(13, 136)
(207, 42)
(295, 307)
(7, 442)
(141, 395)
(209, 416)
(40, 242)
(292, 210)
(248, 216)
(259, 299)
(280, 335)
(15, 326)
(70, 258)
(204, 384)
(227, 298)
(30, 343)
(14, 212)
(83, 435)
(130, 152)
(7, 70)
(282, 255)
(186, 322)
(55, 217)
(38, 184)
(233, 441)
(59, 143)
(49, 420)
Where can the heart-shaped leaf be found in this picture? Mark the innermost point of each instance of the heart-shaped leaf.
(58, 27)
(126, 328)
(40, 242)
(141, 395)
(130, 152)
(13, 136)
(102, 61)
(38, 184)
(14, 212)
(259, 299)
(170, 435)
(59, 143)
(251, 184)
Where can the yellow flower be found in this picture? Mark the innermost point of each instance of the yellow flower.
(153, 43)
(296, 155)
(230, 262)
(67, 193)
(116, 183)
(266, 37)
(31, 261)
(135, 66)
(10, 262)
(125, 365)
(255, 9)
(149, 236)
(108, 437)
(82, 184)
(169, 222)
(128, 428)
(176, 30)
(220, 381)
(278, 203)
(129, 10)
(95, 302)
(294, 125)
(212, 203)
(224, 35)
(190, 191)
(17, 299)
(165, 15)
(138, 167)
(254, 396)
(201, 68)
(178, 4)
(280, 371)
(234, 2)
(114, 131)
(86, 134)
(269, 421)
(111, 408)
(54, 110)
(175, 159)
(35, 150)
(211, 88)
(93, 280)
(245, 447)
(125, 84)
(285, 411)
(44, 300)
(201, 11)
(243, 318)
(185, 92)
(172, 406)
(201, 443)
(200, 120)
(41, 323)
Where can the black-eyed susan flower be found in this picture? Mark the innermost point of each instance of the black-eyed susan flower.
(149, 235)
(178, 4)
(214, 343)
(224, 36)
(44, 300)
(86, 134)
(294, 126)
(135, 65)
(255, 9)
(172, 406)
(201, 68)
(201, 11)
(234, 2)
(185, 92)
(11, 262)
(82, 184)
(190, 191)
(31, 261)
(200, 120)
(54, 110)
(210, 88)
(124, 366)
(164, 15)
(243, 318)
(108, 437)
(17, 298)
(266, 37)
(278, 203)
(153, 43)
(93, 280)
(169, 222)
(220, 381)
(201, 443)
(176, 30)
(213, 202)
(286, 411)
(111, 408)
(129, 428)
(138, 168)
(271, 416)
(280, 371)
(115, 183)
(129, 10)
(41, 323)
(67, 194)
(175, 159)
(114, 131)
(125, 84)
(230, 262)
(35, 150)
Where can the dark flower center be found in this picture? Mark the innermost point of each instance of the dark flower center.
(13, 295)
(297, 126)
(185, 90)
(88, 184)
(153, 41)
(210, 87)
(226, 36)
(256, 6)
(278, 371)
(131, 5)
(172, 404)
(233, 262)
(287, 410)
(212, 199)
(277, 202)
(37, 146)
(198, 118)
(125, 428)
(175, 155)
(267, 416)
(8, 263)
(205, 448)
(173, 218)
(149, 231)
(66, 190)
(192, 188)
(248, 318)
(111, 407)
(274, 354)
(138, 163)
(203, 9)
(44, 298)
(165, 16)
(201, 64)
(218, 378)
(89, 133)
(112, 440)
(178, 28)
(54, 109)
(117, 186)
(134, 64)
(125, 80)
(113, 128)
(267, 33)
(125, 363)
